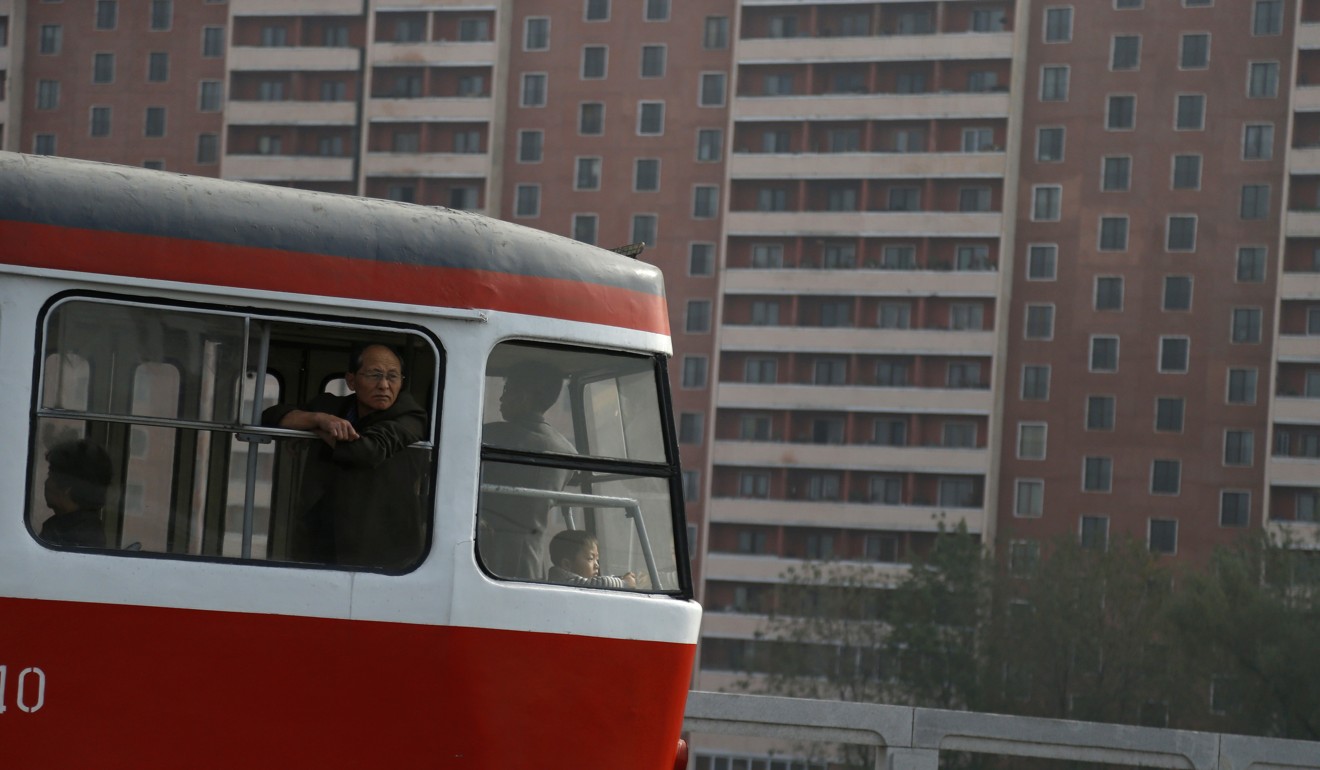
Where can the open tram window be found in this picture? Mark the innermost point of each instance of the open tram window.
(170, 394)
(574, 439)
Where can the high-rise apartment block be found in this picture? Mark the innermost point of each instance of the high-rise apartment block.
(1048, 269)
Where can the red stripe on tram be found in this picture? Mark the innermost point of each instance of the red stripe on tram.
(248, 267)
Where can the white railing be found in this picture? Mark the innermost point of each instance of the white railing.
(907, 738)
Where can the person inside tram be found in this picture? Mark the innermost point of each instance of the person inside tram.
(362, 502)
(575, 560)
(514, 527)
(77, 481)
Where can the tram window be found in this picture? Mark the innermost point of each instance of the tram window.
(573, 439)
(172, 395)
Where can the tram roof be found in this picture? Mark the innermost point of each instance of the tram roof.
(121, 220)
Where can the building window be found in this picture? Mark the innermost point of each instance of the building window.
(100, 121)
(690, 427)
(1189, 112)
(691, 493)
(1058, 25)
(1163, 536)
(273, 144)
(1035, 382)
(594, 59)
(1239, 447)
(1113, 233)
(891, 374)
(764, 371)
(530, 145)
(1095, 532)
(830, 370)
(43, 144)
(155, 121)
(1174, 354)
(701, 259)
(650, 118)
(657, 10)
(767, 256)
(333, 91)
(753, 484)
(1121, 112)
(1049, 144)
(208, 148)
(1181, 233)
(1097, 474)
(1169, 412)
(1241, 386)
(209, 96)
(471, 86)
(1263, 79)
(694, 372)
(213, 42)
(1042, 261)
(644, 227)
(107, 14)
(527, 201)
(405, 142)
(1040, 322)
(536, 33)
(705, 201)
(158, 67)
(1258, 141)
(1054, 83)
(463, 198)
(1246, 324)
(1255, 201)
(1194, 51)
(48, 94)
(894, 315)
(1099, 412)
(533, 89)
(1177, 292)
(1104, 353)
(103, 67)
(653, 61)
(698, 316)
(1029, 498)
(273, 90)
(1187, 172)
(584, 228)
(50, 39)
(473, 30)
(1125, 52)
(1234, 508)
(587, 176)
(1165, 477)
(1267, 17)
(597, 10)
(716, 33)
(976, 139)
(712, 89)
(162, 14)
(1108, 292)
(1116, 173)
(646, 175)
(710, 145)
(467, 142)
(591, 119)
(1046, 203)
(974, 199)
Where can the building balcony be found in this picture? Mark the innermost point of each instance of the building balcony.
(1297, 285)
(1304, 160)
(833, 224)
(1307, 36)
(855, 398)
(439, 164)
(1296, 410)
(1292, 471)
(731, 625)
(861, 516)
(290, 113)
(447, 109)
(434, 53)
(1298, 348)
(854, 165)
(286, 168)
(769, 569)
(246, 58)
(963, 45)
(864, 283)
(931, 106)
(832, 339)
(1306, 99)
(859, 457)
(297, 7)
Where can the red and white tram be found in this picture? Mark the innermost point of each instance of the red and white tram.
(155, 316)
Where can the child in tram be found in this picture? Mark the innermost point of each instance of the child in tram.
(575, 560)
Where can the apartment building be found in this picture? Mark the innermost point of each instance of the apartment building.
(1042, 268)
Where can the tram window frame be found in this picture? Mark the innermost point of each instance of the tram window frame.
(212, 417)
(612, 474)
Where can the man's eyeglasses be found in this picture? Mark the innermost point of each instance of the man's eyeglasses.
(393, 378)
